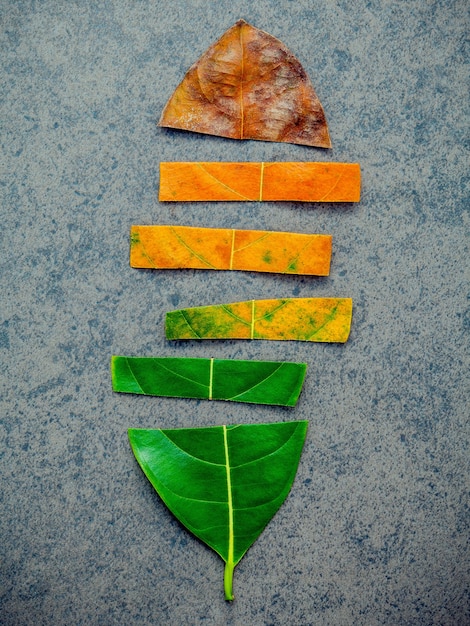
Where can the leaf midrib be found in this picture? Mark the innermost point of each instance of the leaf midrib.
(231, 540)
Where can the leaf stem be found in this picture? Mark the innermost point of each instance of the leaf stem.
(228, 580)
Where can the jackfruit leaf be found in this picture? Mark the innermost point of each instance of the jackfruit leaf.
(248, 85)
(252, 181)
(258, 382)
(301, 319)
(173, 247)
(223, 483)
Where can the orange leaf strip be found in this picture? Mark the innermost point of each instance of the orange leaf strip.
(248, 85)
(294, 181)
(173, 247)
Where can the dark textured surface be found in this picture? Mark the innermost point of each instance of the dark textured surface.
(375, 530)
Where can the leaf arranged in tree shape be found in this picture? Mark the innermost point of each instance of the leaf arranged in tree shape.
(172, 247)
(258, 382)
(301, 319)
(302, 182)
(224, 483)
(248, 85)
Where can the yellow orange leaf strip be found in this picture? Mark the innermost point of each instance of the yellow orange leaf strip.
(303, 182)
(173, 247)
(300, 319)
(248, 85)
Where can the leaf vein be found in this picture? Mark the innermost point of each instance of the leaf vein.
(191, 456)
(257, 384)
(146, 254)
(273, 311)
(224, 308)
(265, 456)
(252, 243)
(223, 184)
(334, 187)
(326, 321)
(193, 252)
(134, 376)
(185, 318)
(190, 380)
(298, 255)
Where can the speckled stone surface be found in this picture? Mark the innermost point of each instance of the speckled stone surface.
(375, 530)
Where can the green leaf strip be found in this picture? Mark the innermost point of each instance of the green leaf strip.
(224, 483)
(259, 382)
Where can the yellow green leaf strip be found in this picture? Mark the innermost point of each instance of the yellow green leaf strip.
(252, 181)
(175, 247)
(259, 382)
(300, 319)
(223, 483)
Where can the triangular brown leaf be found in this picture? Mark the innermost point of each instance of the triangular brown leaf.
(248, 85)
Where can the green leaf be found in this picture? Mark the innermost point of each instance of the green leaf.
(259, 382)
(224, 483)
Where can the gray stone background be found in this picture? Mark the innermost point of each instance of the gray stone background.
(375, 530)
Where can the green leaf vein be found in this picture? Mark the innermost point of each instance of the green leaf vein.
(265, 456)
(273, 311)
(185, 318)
(134, 376)
(191, 456)
(329, 318)
(261, 382)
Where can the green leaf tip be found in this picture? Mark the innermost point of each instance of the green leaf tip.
(259, 382)
(223, 483)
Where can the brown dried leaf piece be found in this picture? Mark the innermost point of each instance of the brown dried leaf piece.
(248, 85)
